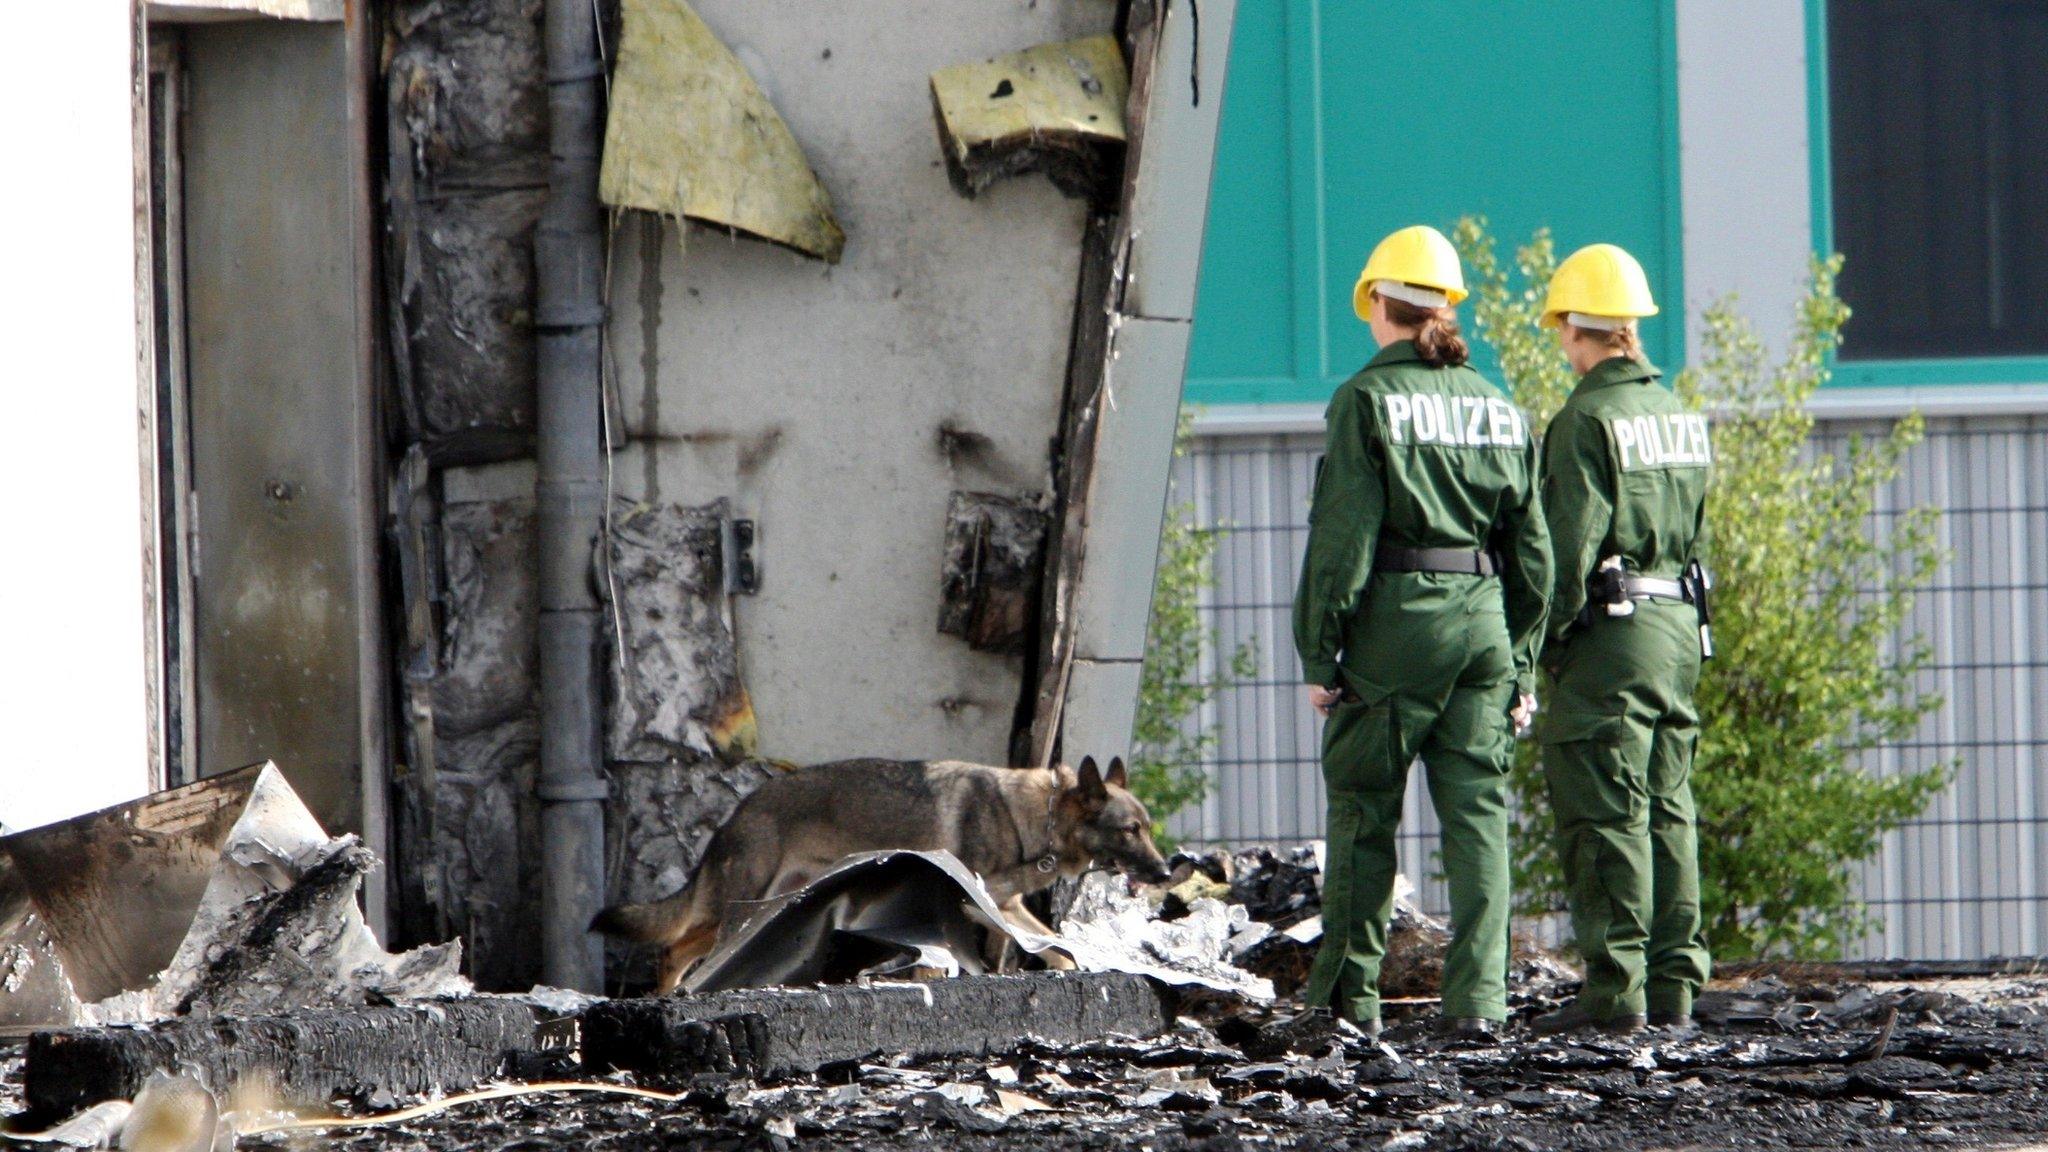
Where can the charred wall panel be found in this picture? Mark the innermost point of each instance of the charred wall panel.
(486, 727)
(679, 726)
(468, 139)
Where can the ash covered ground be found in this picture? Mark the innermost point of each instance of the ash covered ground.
(1809, 1057)
(1778, 1064)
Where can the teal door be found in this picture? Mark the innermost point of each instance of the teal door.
(1346, 120)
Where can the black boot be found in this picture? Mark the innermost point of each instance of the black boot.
(1575, 1017)
(1477, 1028)
(1369, 1027)
(1680, 1022)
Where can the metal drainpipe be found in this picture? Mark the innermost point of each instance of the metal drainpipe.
(568, 252)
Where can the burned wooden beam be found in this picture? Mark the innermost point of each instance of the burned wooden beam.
(772, 1033)
(311, 1058)
(297, 947)
(421, 912)
(1104, 270)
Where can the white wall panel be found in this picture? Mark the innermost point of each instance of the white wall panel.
(72, 688)
(1743, 157)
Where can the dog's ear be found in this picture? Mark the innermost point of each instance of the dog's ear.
(1090, 783)
(1116, 777)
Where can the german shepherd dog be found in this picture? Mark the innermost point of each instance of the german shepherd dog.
(1019, 829)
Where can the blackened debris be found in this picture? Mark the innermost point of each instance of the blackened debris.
(1979, 1082)
(295, 948)
(989, 580)
(1284, 890)
(780, 1032)
(313, 1057)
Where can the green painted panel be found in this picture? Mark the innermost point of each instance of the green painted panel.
(1421, 114)
(1926, 373)
(1246, 297)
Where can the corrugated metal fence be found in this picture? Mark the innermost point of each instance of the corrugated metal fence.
(1963, 881)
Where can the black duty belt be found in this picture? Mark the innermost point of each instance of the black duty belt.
(1390, 558)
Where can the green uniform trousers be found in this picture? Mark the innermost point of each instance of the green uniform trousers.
(1429, 658)
(1618, 737)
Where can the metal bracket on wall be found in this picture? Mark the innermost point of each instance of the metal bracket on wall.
(740, 572)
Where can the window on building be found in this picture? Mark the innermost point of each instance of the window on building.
(1939, 150)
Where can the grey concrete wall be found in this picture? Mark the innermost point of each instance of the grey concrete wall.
(812, 396)
(276, 383)
(1744, 158)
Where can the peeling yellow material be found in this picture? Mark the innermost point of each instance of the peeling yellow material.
(736, 734)
(691, 134)
(1067, 96)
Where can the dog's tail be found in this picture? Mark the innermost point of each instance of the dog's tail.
(656, 922)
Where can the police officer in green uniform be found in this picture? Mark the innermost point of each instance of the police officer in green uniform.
(1625, 491)
(1418, 619)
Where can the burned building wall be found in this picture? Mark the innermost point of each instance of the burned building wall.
(838, 408)
(679, 733)
(467, 137)
(679, 728)
(480, 858)
(841, 406)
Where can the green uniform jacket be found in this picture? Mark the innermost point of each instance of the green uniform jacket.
(1420, 457)
(1624, 474)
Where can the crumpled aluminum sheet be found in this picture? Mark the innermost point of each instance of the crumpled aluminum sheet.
(878, 913)
(34, 990)
(873, 914)
(150, 905)
(1109, 927)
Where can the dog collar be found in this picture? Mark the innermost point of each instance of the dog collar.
(1050, 862)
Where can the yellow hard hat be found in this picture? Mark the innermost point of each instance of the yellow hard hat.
(1599, 282)
(1415, 257)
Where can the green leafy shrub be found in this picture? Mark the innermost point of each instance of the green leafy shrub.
(1814, 665)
